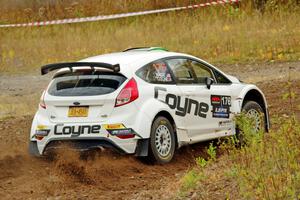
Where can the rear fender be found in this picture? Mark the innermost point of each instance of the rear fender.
(147, 113)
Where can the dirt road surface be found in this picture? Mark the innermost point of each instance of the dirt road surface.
(108, 175)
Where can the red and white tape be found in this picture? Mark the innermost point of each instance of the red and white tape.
(117, 16)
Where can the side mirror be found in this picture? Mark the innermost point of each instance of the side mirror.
(208, 82)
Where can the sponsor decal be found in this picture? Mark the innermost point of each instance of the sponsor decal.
(182, 106)
(120, 131)
(41, 132)
(126, 131)
(76, 130)
(41, 127)
(113, 126)
(215, 100)
(220, 106)
(225, 123)
(161, 73)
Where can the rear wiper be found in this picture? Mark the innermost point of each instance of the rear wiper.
(75, 86)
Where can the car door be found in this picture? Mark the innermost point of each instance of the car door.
(219, 97)
(202, 108)
(192, 108)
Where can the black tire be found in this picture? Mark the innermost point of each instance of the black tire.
(252, 106)
(247, 107)
(162, 135)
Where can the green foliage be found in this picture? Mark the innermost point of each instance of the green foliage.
(269, 167)
(212, 152)
(288, 95)
(201, 162)
(246, 134)
(190, 180)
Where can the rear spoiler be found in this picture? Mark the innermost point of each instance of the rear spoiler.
(48, 68)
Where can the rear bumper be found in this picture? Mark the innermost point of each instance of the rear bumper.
(77, 145)
(98, 135)
(38, 148)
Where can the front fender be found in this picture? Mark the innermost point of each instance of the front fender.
(243, 96)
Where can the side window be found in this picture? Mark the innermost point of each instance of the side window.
(182, 70)
(221, 79)
(201, 71)
(156, 72)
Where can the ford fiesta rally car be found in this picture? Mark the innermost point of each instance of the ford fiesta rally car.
(142, 101)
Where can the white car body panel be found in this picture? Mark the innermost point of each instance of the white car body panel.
(139, 114)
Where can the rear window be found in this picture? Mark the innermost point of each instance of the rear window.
(85, 84)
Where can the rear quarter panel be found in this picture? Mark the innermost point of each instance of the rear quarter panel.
(149, 106)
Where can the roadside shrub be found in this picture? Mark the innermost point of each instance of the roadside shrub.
(269, 166)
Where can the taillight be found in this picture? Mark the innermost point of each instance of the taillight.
(42, 101)
(128, 94)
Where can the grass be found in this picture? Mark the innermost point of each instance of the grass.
(267, 168)
(220, 34)
(270, 167)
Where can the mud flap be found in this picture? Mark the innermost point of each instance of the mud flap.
(33, 149)
(267, 119)
(142, 147)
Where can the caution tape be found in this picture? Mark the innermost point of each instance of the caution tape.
(117, 16)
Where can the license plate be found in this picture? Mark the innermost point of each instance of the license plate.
(78, 111)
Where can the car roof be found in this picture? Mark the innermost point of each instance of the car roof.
(123, 57)
(132, 59)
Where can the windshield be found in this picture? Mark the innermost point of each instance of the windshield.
(85, 84)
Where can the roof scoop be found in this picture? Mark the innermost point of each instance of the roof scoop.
(146, 49)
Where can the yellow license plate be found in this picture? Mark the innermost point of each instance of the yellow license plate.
(78, 111)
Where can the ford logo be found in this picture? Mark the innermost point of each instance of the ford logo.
(76, 103)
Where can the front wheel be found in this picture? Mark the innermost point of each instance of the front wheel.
(162, 141)
(257, 116)
(255, 112)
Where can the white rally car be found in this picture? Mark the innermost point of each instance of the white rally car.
(142, 101)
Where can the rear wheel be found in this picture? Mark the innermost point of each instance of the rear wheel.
(162, 141)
